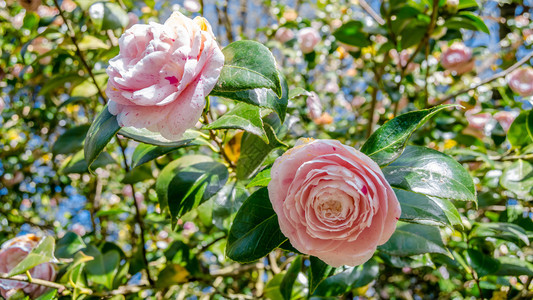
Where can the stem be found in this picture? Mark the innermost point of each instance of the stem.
(218, 141)
(137, 214)
(371, 12)
(25, 278)
(371, 113)
(244, 13)
(426, 93)
(488, 80)
(72, 36)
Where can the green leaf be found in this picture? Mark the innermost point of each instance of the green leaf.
(318, 271)
(429, 172)
(102, 268)
(504, 231)
(244, 116)
(71, 140)
(248, 65)
(227, 203)
(464, 4)
(144, 153)
(138, 174)
(513, 266)
(102, 130)
(296, 92)
(467, 20)
(262, 97)
(350, 33)
(518, 134)
(254, 150)
(290, 277)
(421, 209)
(49, 295)
(146, 136)
(43, 253)
(108, 15)
(518, 178)
(529, 124)
(69, 245)
(414, 239)
(87, 87)
(388, 142)
(261, 179)
(255, 230)
(349, 279)
(172, 274)
(482, 263)
(78, 164)
(189, 181)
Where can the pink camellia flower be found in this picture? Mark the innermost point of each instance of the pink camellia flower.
(521, 81)
(192, 5)
(308, 38)
(314, 106)
(2, 104)
(478, 121)
(162, 74)
(332, 201)
(458, 58)
(505, 118)
(284, 34)
(132, 20)
(12, 253)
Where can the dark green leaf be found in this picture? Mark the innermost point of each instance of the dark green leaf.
(464, 4)
(138, 174)
(350, 33)
(414, 239)
(102, 130)
(512, 266)
(518, 178)
(244, 116)
(318, 271)
(189, 181)
(290, 277)
(171, 275)
(504, 231)
(467, 20)
(227, 203)
(69, 245)
(518, 134)
(102, 268)
(261, 179)
(43, 253)
(71, 140)
(255, 230)
(77, 163)
(49, 295)
(262, 97)
(248, 65)
(429, 172)
(387, 143)
(349, 279)
(482, 264)
(421, 209)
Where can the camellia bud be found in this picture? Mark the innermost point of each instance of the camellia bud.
(308, 38)
(284, 34)
(314, 107)
(458, 58)
(521, 81)
(451, 6)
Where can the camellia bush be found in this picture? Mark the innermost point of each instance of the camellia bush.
(266, 149)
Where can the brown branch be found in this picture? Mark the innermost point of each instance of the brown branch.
(24, 278)
(371, 12)
(72, 36)
(218, 141)
(488, 80)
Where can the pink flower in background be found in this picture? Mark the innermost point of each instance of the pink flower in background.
(357, 101)
(521, 81)
(192, 5)
(314, 106)
(284, 34)
(505, 118)
(162, 74)
(308, 38)
(402, 58)
(332, 201)
(478, 121)
(2, 104)
(458, 58)
(12, 253)
(332, 87)
(132, 20)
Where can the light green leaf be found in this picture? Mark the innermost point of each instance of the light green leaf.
(146, 136)
(518, 134)
(504, 231)
(351, 34)
(290, 277)
(69, 245)
(78, 164)
(244, 116)
(108, 15)
(103, 267)
(71, 140)
(518, 178)
(261, 179)
(43, 253)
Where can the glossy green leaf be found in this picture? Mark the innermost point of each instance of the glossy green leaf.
(48, 295)
(103, 267)
(172, 274)
(349, 279)
(262, 97)
(189, 181)
(138, 174)
(71, 140)
(414, 239)
(255, 230)
(146, 136)
(102, 130)
(351, 34)
(518, 134)
(529, 124)
(287, 283)
(261, 179)
(429, 172)
(464, 4)
(298, 91)
(483, 264)
(504, 231)
(513, 266)
(518, 178)
(244, 116)
(227, 203)
(78, 164)
(254, 150)
(467, 20)
(144, 153)
(318, 271)
(69, 245)
(421, 209)
(43, 253)
(108, 15)
(248, 65)
(388, 142)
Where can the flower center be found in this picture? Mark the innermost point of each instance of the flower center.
(330, 209)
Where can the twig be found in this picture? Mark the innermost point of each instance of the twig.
(371, 12)
(218, 141)
(24, 278)
(488, 80)
(72, 36)
(371, 112)
(244, 13)
(122, 290)
(137, 214)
